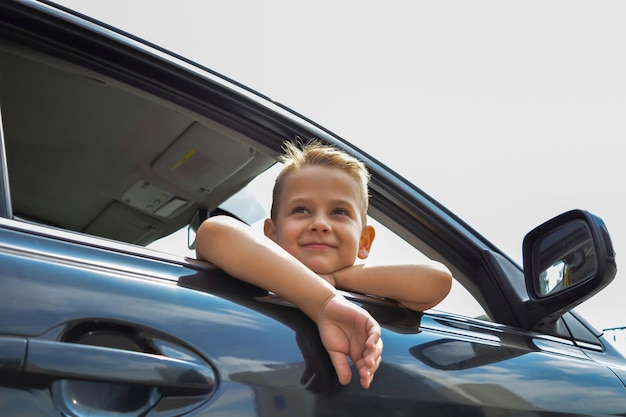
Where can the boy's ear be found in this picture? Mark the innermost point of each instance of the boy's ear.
(269, 229)
(365, 243)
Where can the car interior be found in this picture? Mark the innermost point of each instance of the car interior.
(88, 154)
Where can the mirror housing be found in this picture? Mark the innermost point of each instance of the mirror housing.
(567, 260)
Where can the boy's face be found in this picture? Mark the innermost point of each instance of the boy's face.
(318, 219)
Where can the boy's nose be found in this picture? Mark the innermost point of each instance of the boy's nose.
(319, 224)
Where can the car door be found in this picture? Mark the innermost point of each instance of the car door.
(87, 329)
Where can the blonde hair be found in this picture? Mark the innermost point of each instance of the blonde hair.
(317, 153)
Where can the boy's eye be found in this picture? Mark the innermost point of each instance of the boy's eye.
(300, 210)
(340, 211)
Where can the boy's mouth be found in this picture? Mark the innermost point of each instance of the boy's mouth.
(317, 245)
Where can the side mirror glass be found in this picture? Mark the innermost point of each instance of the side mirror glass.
(566, 257)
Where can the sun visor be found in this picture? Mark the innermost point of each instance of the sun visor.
(203, 157)
(120, 222)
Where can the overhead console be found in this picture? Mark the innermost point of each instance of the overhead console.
(202, 157)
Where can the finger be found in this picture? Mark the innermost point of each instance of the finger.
(373, 353)
(367, 370)
(366, 379)
(342, 367)
(374, 339)
(372, 366)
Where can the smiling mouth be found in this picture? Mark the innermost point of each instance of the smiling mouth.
(317, 246)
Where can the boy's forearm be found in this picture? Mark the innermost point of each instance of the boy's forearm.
(418, 287)
(234, 248)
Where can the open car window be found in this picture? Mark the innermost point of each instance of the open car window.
(90, 154)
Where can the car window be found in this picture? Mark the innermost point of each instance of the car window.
(388, 247)
(140, 174)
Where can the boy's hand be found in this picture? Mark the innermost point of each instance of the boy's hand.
(348, 330)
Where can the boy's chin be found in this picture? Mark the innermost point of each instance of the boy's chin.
(321, 268)
(323, 263)
(318, 267)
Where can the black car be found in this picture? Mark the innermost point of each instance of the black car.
(110, 146)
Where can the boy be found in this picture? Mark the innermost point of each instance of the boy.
(316, 231)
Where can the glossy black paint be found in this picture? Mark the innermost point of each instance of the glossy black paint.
(81, 317)
(268, 356)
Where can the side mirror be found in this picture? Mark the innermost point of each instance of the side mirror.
(564, 257)
(567, 260)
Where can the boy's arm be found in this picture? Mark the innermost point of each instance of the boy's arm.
(418, 286)
(345, 328)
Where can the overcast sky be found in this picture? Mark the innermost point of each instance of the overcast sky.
(508, 112)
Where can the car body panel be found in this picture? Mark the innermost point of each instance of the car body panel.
(442, 363)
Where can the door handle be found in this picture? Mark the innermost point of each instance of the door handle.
(43, 361)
